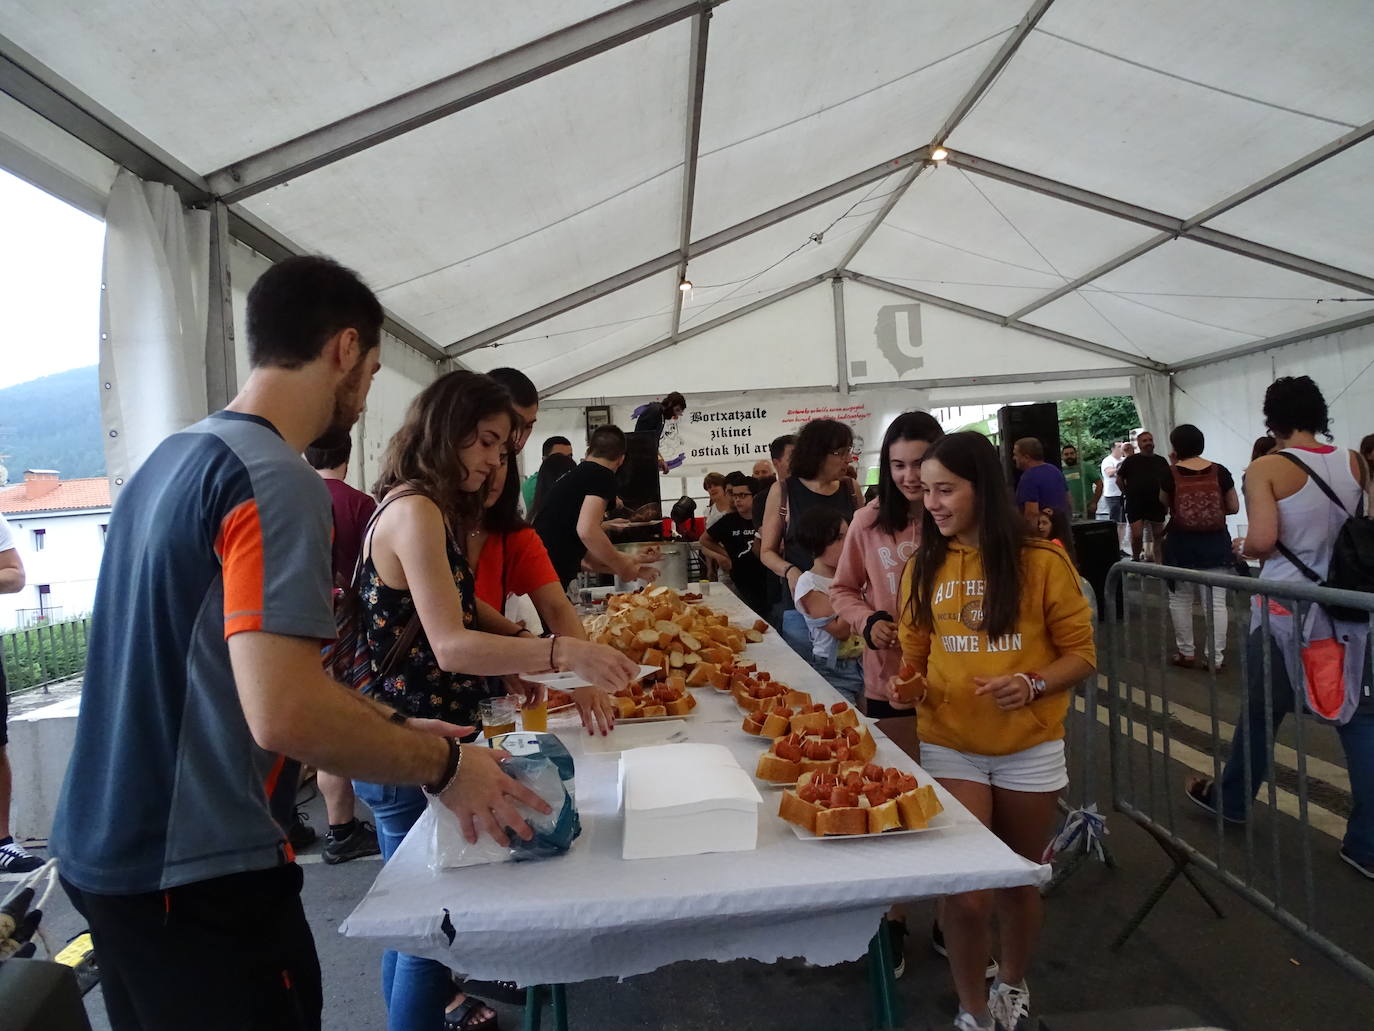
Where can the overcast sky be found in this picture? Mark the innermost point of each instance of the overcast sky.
(50, 256)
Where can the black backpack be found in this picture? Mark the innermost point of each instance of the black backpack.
(1352, 557)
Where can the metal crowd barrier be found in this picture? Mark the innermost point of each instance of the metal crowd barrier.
(1271, 867)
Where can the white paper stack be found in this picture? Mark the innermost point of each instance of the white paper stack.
(686, 799)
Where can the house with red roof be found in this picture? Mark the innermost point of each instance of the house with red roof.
(59, 529)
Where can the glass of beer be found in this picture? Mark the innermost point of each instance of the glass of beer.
(497, 715)
(535, 718)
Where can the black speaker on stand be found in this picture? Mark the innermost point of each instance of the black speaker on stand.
(1040, 421)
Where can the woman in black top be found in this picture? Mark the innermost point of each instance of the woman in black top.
(816, 480)
(414, 568)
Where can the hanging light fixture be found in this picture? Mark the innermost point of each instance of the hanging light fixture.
(685, 286)
(939, 154)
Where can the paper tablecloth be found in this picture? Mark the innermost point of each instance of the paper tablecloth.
(592, 914)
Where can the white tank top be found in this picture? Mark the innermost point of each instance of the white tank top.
(1308, 521)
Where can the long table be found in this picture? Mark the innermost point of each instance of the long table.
(591, 914)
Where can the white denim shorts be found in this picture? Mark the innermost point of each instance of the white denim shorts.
(1038, 768)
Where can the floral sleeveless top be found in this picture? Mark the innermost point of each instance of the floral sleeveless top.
(416, 685)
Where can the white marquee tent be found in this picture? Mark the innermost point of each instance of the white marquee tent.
(978, 199)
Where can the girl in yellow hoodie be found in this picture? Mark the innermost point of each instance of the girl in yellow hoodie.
(995, 634)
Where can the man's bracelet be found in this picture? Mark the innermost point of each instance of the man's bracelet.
(877, 617)
(450, 774)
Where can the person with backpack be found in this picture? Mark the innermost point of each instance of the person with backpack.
(1200, 496)
(1300, 501)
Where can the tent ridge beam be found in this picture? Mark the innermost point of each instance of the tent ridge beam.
(966, 103)
(421, 106)
(684, 335)
(1294, 336)
(1191, 228)
(1024, 327)
(696, 93)
(703, 246)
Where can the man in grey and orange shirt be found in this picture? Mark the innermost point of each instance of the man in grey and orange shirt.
(203, 676)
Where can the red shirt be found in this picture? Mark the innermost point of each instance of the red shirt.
(515, 563)
(352, 510)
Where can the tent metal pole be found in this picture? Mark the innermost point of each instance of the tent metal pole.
(948, 382)
(221, 368)
(703, 246)
(696, 90)
(686, 334)
(841, 340)
(975, 92)
(464, 89)
(1088, 277)
(55, 99)
(1296, 336)
(1024, 327)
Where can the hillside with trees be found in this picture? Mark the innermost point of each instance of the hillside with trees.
(53, 423)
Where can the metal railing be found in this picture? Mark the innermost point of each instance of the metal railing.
(37, 617)
(1267, 859)
(42, 655)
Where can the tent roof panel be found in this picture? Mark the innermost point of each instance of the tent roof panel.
(1102, 124)
(1309, 57)
(792, 103)
(440, 218)
(775, 258)
(1322, 214)
(258, 71)
(605, 329)
(989, 244)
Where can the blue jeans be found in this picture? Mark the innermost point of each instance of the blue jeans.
(846, 677)
(1357, 740)
(794, 632)
(415, 990)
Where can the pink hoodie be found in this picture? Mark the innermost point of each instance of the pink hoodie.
(866, 581)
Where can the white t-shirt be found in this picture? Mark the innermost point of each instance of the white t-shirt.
(6, 538)
(1110, 488)
(824, 647)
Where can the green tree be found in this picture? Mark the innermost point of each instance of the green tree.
(1092, 424)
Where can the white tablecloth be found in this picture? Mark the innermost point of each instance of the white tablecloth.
(591, 914)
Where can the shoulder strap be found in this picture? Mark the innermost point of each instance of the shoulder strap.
(1326, 487)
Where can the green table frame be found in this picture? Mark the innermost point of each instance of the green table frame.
(881, 984)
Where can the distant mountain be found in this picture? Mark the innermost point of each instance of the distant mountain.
(53, 423)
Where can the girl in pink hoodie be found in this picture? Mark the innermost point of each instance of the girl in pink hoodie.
(882, 538)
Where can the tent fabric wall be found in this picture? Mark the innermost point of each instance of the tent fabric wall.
(153, 321)
(1097, 156)
(1152, 404)
(1225, 399)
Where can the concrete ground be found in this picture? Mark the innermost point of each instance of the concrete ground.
(1243, 972)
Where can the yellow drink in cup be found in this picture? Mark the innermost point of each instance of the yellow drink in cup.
(497, 716)
(535, 718)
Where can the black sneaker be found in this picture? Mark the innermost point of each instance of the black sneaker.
(301, 834)
(896, 942)
(361, 842)
(14, 858)
(937, 942)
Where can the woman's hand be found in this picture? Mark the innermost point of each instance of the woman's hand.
(440, 728)
(600, 664)
(596, 708)
(883, 633)
(483, 797)
(527, 693)
(892, 695)
(1010, 693)
(908, 688)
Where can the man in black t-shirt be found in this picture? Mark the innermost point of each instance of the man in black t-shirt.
(731, 542)
(654, 416)
(569, 521)
(1142, 477)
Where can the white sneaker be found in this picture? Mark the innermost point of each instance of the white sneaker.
(1010, 1006)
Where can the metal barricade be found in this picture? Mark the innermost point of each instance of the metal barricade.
(1265, 857)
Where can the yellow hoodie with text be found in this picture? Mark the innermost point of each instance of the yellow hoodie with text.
(1054, 620)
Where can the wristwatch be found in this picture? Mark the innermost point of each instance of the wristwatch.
(1036, 683)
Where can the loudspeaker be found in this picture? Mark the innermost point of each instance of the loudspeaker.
(639, 483)
(1098, 548)
(1040, 421)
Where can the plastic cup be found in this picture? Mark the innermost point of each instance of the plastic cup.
(497, 716)
(535, 718)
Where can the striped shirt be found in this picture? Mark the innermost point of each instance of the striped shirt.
(224, 529)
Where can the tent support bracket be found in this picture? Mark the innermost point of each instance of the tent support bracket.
(841, 340)
(696, 91)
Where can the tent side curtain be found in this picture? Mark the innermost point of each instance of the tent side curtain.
(1225, 400)
(153, 321)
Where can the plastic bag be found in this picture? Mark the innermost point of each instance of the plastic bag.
(546, 769)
